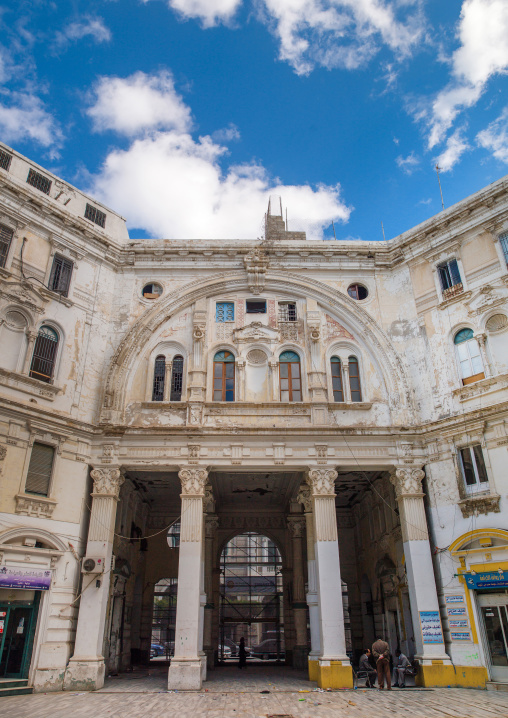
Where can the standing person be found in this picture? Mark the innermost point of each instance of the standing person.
(381, 652)
(365, 665)
(403, 663)
(242, 654)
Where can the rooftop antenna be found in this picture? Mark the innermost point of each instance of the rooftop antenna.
(439, 180)
(334, 230)
(382, 227)
(286, 219)
(280, 200)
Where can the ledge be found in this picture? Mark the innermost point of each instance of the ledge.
(480, 504)
(482, 386)
(50, 294)
(459, 297)
(25, 383)
(350, 405)
(32, 505)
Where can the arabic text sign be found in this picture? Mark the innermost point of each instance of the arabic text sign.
(38, 579)
(460, 636)
(458, 623)
(454, 599)
(458, 611)
(492, 579)
(431, 627)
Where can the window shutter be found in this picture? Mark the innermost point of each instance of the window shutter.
(39, 469)
(454, 272)
(60, 278)
(6, 235)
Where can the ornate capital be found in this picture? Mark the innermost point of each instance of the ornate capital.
(296, 525)
(209, 501)
(107, 482)
(407, 481)
(193, 481)
(322, 481)
(304, 497)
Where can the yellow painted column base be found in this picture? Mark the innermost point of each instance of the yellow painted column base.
(336, 675)
(313, 670)
(438, 676)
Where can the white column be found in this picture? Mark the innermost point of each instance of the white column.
(304, 497)
(86, 669)
(188, 666)
(299, 607)
(420, 571)
(167, 379)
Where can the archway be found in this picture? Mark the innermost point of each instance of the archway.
(251, 599)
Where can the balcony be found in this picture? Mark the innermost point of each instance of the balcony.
(452, 292)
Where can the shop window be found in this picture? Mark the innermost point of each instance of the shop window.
(44, 356)
(357, 291)
(255, 306)
(449, 276)
(159, 374)
(40, 469)
(152, 291)
(354, 379)
(224, 376)
(336, 367)
(468, 356)
(290, 377)
(177, 379)
(6, 235)
(473, 469)
(60, 277)
(225, 312)
(287, 311)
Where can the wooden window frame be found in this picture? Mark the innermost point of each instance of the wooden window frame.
(289, 377)
(337, 362)
(223, 377)
(355, 376)
(175, 392)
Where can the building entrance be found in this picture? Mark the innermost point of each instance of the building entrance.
(494, 611)
(17, 628)
(251, 599)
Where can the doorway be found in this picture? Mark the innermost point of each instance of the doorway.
(18, 621)
(251, 599)
(494, 612)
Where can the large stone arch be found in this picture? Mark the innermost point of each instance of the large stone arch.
(347, 310)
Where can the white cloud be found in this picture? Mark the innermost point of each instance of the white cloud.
(408, 164)
(24, 117)
(93, 27)
(138, 103)
(210, 12)
(495, 137)
(173, 186)
(226, 134)
(342, 33)
(456, 145)
(483, 52)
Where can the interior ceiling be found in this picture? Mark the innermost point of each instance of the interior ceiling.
(352, 485)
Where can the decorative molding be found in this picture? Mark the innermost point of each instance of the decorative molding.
(475, 505)
(407, 481)
(483, 386)
(39, 506)
(211, 526)
(107, 482)
(322, 481)
(25, 383)
(256, 263)
(304, 497)
(257, 357)
(209, 501)
(252, 522)
(296, 525)
(193, 481)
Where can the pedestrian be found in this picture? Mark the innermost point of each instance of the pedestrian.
(242, 654)
(401, 669)
(365, 665)
(381, 653)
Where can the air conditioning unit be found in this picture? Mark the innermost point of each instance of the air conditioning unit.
(92, 564)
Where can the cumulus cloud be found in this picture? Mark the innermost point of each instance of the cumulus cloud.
(495, 137)
(408, 164)
(210, 12)
(173, 186)
(483, 52)
(24, 117)
(456, 145)
(92, 27)
(138, 103)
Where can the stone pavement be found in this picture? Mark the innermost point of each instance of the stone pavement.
(135, 696)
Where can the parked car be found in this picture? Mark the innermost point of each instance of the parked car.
(234, 647)
(157, 649)
(267, 649)
(225, 651)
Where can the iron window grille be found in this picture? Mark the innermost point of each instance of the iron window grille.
(5, 160)
(473, 469)
(225, 312)
(43, 184)
(60, 277)
(354, 379)
(158, 378)
(39, 469)
(95, 215)
(44, 356)
(336, 367)
(6, 236)
(287, 311)
(177, 379)
(449, 274)
(255, 306)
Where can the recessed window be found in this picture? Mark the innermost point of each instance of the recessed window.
(5, 160)
(176, 379)
(43, 184)
(95, 215)
(39, 469)
(255, 306)
(473, 469)
(224, 312)
(354, 379)
(60, 277)
(469, 357)
(224, 376)
(503, 240)
(449, 274)
(159, 375)
(152, 291)
(44, 356)
(290, 377)
(287, 311)
(336, 367)
(357, 291)
(6, 235)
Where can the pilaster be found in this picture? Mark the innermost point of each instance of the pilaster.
(296, 526)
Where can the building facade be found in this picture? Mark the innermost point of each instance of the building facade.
(343, 402)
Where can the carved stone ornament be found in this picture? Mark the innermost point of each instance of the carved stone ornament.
(315, 334)
(209, 501)
(322, 481)
(304, 497)
(256, 264)
(475, 505)
(211, 526)
(198, 334)
(107, 482)
(34, 506)
(256, 356)
(193, 481)
(296, 525)
(3, 453)
(407, 481)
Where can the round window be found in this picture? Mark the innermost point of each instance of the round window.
(152, 291)
(357, 291)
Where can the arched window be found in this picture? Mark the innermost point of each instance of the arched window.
(354, 379)
(44, 356)
(177, 379)
(224, 376)
(468, 355)
(336, 366)
(290, 377)
(158, 378)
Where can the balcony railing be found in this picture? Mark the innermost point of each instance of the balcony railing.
(453, 291)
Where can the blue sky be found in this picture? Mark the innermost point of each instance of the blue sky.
(185, 115)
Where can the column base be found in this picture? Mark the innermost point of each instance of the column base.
(313, 665)
(439, 675)
(334, 674)
(300, 654)
(185, 675)
(84, 674)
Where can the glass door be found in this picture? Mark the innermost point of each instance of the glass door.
(494, 610)
(15, 625)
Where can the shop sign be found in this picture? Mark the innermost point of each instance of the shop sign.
(460, 636)
(454, 599)
(492, 579)
(462, 623)
(431, 627)
(458, 611)
(38, 579)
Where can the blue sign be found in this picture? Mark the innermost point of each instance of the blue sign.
(454, 599)
(431, 627)
(493, 579)
(458, 611)
(25, 578)
(460, 636)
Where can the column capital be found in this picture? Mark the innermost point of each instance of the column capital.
(211, 525)
(193, 481)
(321, 481)
(107, 481)
(407, 481)
(209, 501)
(304, 497)
(296, 525)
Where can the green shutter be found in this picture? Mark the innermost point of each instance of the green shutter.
(39, 470)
